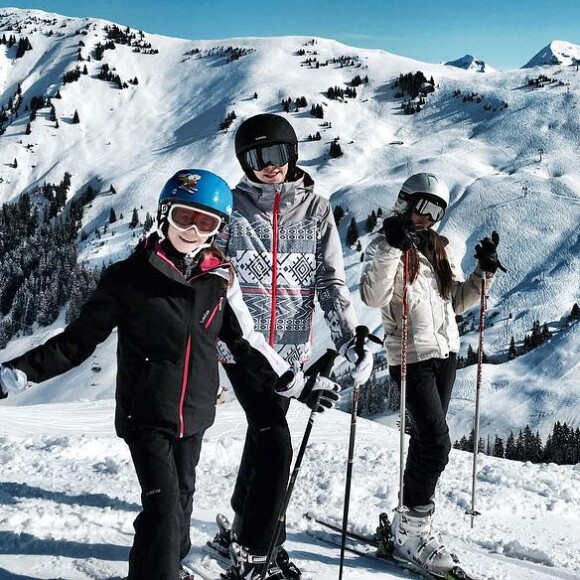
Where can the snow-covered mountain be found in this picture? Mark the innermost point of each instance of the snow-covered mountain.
(469, 62)
(505, 142)
(558, 52)
(507, 145)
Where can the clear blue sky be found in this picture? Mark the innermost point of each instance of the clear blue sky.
(504, 33)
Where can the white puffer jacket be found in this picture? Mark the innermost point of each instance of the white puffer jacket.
(433, 332)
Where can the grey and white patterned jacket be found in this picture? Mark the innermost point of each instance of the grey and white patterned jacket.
(284, 245)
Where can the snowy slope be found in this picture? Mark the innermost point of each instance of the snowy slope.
(69, 496)
(510, 168)
(68, 491)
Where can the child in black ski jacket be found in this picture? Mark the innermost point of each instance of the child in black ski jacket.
(171, 300)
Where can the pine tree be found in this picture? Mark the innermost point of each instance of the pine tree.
(512, 352)
(134, 219)
(498, 448)
(575, 313)
(148, 223)
(335, 149)
(352, 233)
(471, 356)
(75, 118)
(510, 447)
(112, 216)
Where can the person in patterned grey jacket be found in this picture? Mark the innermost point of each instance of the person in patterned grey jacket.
(284, 245)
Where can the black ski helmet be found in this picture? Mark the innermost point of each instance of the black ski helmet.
(261, 130)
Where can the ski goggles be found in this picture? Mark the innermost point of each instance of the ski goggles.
(185, 217)
(424, 206)
(278, 155)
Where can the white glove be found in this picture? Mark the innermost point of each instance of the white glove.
(363, 367)
(11, 381)
(307, 389)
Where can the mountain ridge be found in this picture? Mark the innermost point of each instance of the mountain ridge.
(506, 143)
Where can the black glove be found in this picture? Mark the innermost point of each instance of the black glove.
(486, 254)
(396, 234)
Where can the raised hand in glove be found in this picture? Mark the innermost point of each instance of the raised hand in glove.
(11, 381)
(308, 388)
(486, 254)
(396, 234)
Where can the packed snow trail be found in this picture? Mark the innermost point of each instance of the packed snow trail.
(69, 496)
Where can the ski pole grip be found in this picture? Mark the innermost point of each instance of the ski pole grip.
(328, 362)
(361, 335)
(323, 366)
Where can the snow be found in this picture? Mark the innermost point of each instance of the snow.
(68, 491)
(69, 495)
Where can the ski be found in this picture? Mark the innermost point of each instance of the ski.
(371, 540)
(383, 553)
(200, 571)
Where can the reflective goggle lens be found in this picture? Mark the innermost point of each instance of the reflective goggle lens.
(427, 207)
(184, 218)
(277, 155)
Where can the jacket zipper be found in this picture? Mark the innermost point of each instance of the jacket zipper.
(215, 310)
(274, 266)
(184, 387)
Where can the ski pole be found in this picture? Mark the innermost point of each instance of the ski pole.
(323, 367)
(403, 394)
(362, 333)
(472, 512)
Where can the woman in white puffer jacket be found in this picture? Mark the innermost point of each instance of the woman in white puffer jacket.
(437, 292)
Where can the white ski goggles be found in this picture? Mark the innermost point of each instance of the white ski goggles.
(424, 206)
(185, 217)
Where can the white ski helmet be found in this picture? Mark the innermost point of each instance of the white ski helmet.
(422, 185)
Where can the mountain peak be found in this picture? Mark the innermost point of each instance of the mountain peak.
(469, 62)
(558, 52)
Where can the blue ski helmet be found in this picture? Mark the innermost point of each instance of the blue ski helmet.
(196, 188)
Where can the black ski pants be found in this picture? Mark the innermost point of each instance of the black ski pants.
(429, 386)
(265, 465)
(165, 467)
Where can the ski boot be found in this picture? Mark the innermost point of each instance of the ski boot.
(223, 539)
(248, 566)
(384, 537)
(289, 568)
(414, 543)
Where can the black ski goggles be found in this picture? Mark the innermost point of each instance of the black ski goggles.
(428, 207)
(278, 155)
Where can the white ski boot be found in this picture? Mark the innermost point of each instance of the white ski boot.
(415, 543)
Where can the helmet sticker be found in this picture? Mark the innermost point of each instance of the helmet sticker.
(188, 181)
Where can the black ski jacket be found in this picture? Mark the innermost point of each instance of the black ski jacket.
(167, 367)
